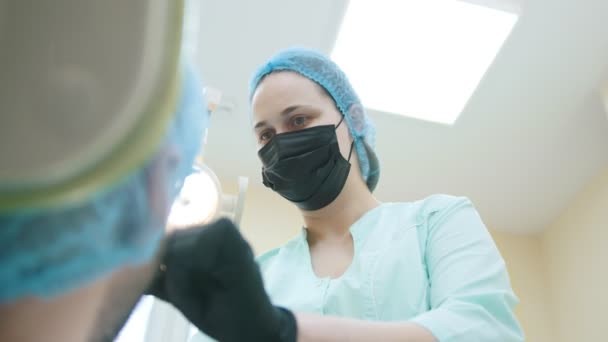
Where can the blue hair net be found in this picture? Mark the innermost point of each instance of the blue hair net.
(48, 252)
(320, 69)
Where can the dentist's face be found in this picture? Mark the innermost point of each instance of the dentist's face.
(286, 101)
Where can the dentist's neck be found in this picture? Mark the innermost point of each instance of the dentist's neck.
(334, 220)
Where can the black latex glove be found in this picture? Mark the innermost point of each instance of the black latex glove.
(209, 274)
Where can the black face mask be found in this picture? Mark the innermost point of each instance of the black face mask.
(306, 166)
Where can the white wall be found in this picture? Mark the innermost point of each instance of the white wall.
(575, 250)
(525, 263)
(268, 220)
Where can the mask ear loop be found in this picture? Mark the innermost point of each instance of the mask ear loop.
(351, 149)
(339, 123)
(351, 144)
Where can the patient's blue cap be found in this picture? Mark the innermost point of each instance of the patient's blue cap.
(46, 252)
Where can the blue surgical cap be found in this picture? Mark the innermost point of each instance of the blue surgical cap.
(45, 253)
(320, 69)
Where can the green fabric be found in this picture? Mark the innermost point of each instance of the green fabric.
(431, 262)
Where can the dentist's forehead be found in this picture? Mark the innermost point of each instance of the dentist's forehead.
(280, 91)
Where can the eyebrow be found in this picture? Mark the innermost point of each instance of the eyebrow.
(285, 112)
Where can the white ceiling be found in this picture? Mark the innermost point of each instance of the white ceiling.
(533, 134)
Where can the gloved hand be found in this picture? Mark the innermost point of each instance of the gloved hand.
(209, 274)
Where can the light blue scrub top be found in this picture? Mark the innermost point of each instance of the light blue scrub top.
(430, 262)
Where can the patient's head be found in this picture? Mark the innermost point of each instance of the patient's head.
(74, 272)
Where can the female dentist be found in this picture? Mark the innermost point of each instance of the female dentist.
(362, 270)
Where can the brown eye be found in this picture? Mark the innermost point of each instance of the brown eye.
(299, 121)
(266, 136)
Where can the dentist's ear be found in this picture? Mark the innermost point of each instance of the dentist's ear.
(160, 174)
